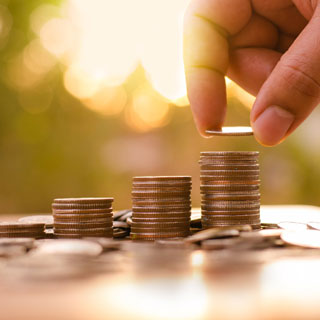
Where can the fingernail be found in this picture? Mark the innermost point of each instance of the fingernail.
(272, 125)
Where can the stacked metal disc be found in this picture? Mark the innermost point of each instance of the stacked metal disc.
(230, 189)
(82, 217)
(161, 207)
(21, 230)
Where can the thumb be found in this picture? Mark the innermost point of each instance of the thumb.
(292, 90)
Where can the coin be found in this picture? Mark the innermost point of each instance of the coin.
(231, 197)
(302, 238)
(254, 226)
(80, 235)
(229, 153)
(22, 234)
(162, 202)
(149, 224)
(120, 224)
(159, 209)
(224, 166)
(229, 212)
(229, 173)
(231, 131)
(156, 198)
(120, 233)
(159, 184)
(161, 215)
(162, 178)
(159, 230)
(166, 219)
(212, 233)
(80, 201)
(314, 225)
(82, 226)
(165, 194)
(81, 206)
(217, 188)
(212, 208)
(292, 226)
(80, 219)
(118, 214)
(4, 226)
(157, 235)
(82, 211)
(216, 217)
(45, 219)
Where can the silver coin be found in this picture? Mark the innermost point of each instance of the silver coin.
(292, 226)
(303, 238)
(231, 131)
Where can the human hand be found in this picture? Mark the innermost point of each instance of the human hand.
(270, 48)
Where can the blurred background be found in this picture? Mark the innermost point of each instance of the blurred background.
(93, 93)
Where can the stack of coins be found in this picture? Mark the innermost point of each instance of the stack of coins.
(82, 217)
(230, 189)
(21, 230)
(161, 207)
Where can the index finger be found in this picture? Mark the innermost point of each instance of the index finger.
(208, 23)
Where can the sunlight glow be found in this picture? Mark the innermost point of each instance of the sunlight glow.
(102, 42)
(108, 39)
(147, 110)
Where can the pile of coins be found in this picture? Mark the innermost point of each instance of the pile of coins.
(82, 217)
(230, 189)
(161, 207)
(21, 230)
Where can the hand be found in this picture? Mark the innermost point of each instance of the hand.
(271, 48)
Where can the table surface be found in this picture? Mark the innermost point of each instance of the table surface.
(144, 282)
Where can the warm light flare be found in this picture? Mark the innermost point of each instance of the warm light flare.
(147, 110)
(102, 42)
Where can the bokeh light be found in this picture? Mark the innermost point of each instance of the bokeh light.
(147, 110)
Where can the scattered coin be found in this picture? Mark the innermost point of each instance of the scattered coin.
(120, 224)
(292, 226)
(120, 233)
(118, 214)
(302, 238)
(314, 225)
(212, 233)
(265, 225)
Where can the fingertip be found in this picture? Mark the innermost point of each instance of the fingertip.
(272, 125)
(207, 96)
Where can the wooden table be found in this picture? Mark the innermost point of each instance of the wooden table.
(143, 282)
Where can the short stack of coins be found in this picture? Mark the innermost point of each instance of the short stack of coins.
(161, 207)
(230, 188)
(82, 217)
(22, 230)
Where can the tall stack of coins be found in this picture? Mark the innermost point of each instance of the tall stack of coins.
(21, 230)
(161, 207)
(230, 188)
(82, 217)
